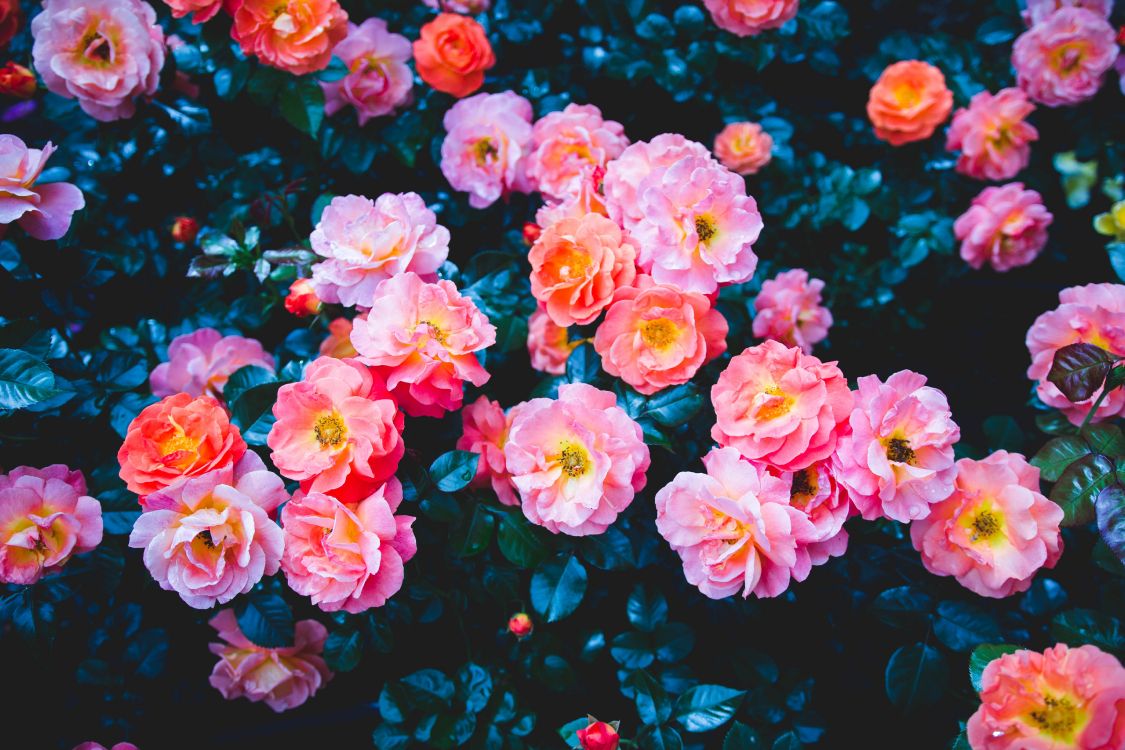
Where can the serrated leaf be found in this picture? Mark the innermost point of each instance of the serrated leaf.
(982, 656)
(1059, 453)
(1079, 485)
(1078, 370)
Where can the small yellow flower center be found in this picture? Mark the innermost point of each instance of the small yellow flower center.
(775, 407)
(658, 333)
(1057, 718)
(178, 442)
(574, 460)
(899, 450)
(985, 525)
(906, 95)
(206, 538)
(804, 488)
(329, 430)
(705, 228)
(484, 150)
(1067, 58)
(436, 333)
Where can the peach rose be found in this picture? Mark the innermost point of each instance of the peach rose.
(296, 36)
(788, 310)
(202, 361)
(655, 335)
(908, 102)
(200, 10)
(817, 493)
(338, 343)
(1063, 59)
(1006, 227)
(992, 135)
(568, 146)
(452, 54)
(577, 265)
(751, 17)
(548, 344)
(177, 437)
(484, 430)
(743, 147)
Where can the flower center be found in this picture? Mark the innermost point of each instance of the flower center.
(96, 48)
(1068, 57)
(906, 95)
(899, 450)
(778, 405)
(569, 263)
(329, 430)
(484, 150)
(1057, 718)
(658, 333)
(985, 525)
(705, 227)
(804, 488)
(436, 333)
(574, 460)
(206, 538)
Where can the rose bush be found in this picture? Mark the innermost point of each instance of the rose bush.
(450, 373)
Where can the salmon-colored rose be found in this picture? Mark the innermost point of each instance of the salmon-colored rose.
(908, 102)
(743, 147)
(452, 54)
(296, 36)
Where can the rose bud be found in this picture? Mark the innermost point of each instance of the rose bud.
(531, 232)
(520, 625)
(17, 81)
(302, 300)
(598, 735)
(184, 229)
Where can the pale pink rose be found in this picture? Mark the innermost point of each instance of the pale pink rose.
(338, 431)
(282, 677)
(897, 460)
(379, 81)
(366, 242)
(1090, 314)
(1063, 59)
(788, 310)
(743, 147)
(1038, 11)
(347, 556)
(992, 135)
(1006, 227)
(548, 343)
(46, 518)
(423, 339)
(586, 198)
(471, 7)
(568, 146)
(815, 492)
(1062, 699)
(750, 17)
(98, 746)
(200, 10)
(624, 175)
(44, 211)
(781, 407)
(210, 538)
(577, 461)
(487, 142)
(734, 528)
(655, 335)
(697, 226)
(484, 430)
(995, 531)
(104, 53)
(200, 363)
(338, 343)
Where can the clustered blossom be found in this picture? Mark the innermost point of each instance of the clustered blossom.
(1062, 59)
(1006, 227)
(788, 310)
(459, 6)
(45, 210)
(992, 135)
(568, 146)
(485, 431)
(1039, 10)
(379, 80)
(296, 36)
(488, 139)
(200, 363)
(751, 17)
(908, 102)
(743, 147)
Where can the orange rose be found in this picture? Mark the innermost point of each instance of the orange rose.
(908, 102)
(177, 437)
(453, 54)
(296, 36)
(17, 81)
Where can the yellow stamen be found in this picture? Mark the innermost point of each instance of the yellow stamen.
(658, 333)
(899, 450)
(804, 488)
(705, 228)
(775, 408)
(330, 430)
(484, 150)
(574, 460)
(1058, 718)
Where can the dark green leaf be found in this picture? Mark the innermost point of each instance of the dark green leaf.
(1059, 453)
(741, 737)
(962, 626)
(1076, 627)
(1106, 439)
(653, 705)
(787, 741)
(454, 470)
(632, 650)
(302, 104)
(583, 364)
(1079, 485)
(343, 649)
(478, 532)
(903, 606)
(646, 608)
(24, 380)
(265, 619)
(1110, 511)
(557, 587)
(916, 677)
(1003, 433)
(518, 541)
(707, 707)
(674, 406)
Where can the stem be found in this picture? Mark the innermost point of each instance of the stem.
(1094, 408)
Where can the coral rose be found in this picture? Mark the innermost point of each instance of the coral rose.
(200, 10)
(1006, 227)
(1090, 314)
(908, 102)
(104, 53)
(568, 146)
(992, 135)
(17, 81)
(44, 211)
(779, 406)
(995, 531)
(452, 54)
(46, 518)
(548, 344)
(282, 677)
(423, 338)
(1062, 699)
(751, 17)
(577, 461)
(338, 343)
(484, 430)
(296, 36)
(734, 528)
(210, 538)
(577, 265)
(815, 492)
(1063, 59)
(897, 461)
(655, 335)
(638, 162)
(200, 363)
(743, 147)
(586, 198)
(11, 18)
(302, 300)
(379, 80)
(366, 242)
(338, 431)
(348, 557)
(488, 138)
(788, 310)
(177, 437)
(598, 735)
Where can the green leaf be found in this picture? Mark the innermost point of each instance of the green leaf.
(1106, 439)
(903, 606)
(646, 608)
(961, 743)
(660, 738)
(119, 522)
(583, 364)
(245, 378)
(474, 687)
(962, 626)
(477, 533)
(1078, 370)
(569, 731)
(253, 411)
(707, 707)
(454, 470)
(674, 406)
(24, 380)
(1076, 627)
(1059, 453)
(916, 676)
(557, 588)
(1110, 509)
(632, 650)
(1079, 485)
(673, 641)
(653, 705)
(265, 619)
(1003, 433)
(982, 656)
(302, 105)
(518, 541)
(787, 741)
(741, 737)
(343, 649)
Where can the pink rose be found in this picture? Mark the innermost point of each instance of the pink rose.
(788, 310)
(44, 211)
(1090, 314)
(1040, 10)
(779, 406)
(104, 53)
(568, 146)
(1006, 226)
(364, 243)
(624, 175)
(210, 538)
(897, 461)
(471, 7)
(750, 17)
(585, 198)
(200, 10)
(488, 139)
(992, 135)
(338, 343)
(1062, 60)
(282, 677)
(346, 556)
(46, 518)
(734, 528)
(743, 147)
(379, 80)
(296, 36)
(655, 335)
(200, 363)
(577, 461)
(484, 430)
(423, 338)
(548, 343)
(815, 492)
(98, 746)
